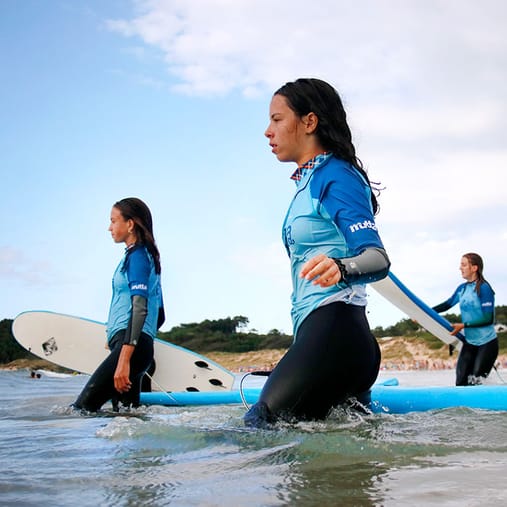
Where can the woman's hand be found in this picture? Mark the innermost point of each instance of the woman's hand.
(457, 328)
(121, 375)
(322, 270)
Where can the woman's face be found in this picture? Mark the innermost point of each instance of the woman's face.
(468, 271)
(120, 229)
(287, 133)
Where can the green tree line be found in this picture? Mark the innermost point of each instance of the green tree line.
(225, 335)
(10, 349)
(231, 335)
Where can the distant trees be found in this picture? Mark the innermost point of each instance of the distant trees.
(405, 327)
(227, 335)
(10, 349)
(231, 335)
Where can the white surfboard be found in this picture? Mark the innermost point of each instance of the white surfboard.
(395, 292)
(79, 344)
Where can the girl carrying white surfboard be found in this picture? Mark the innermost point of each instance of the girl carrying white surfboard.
(135, 314)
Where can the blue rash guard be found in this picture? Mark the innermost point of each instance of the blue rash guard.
(331, 213)
(477, 311)
(129, 323)
(135, 275)
(334, 356)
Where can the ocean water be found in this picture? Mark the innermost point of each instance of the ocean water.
(204, 456)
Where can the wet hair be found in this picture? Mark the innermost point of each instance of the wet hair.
(476, 260)
(132, 208)
(310, 95)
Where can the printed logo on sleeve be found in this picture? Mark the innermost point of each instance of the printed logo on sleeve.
(367, 224)
(139, 286)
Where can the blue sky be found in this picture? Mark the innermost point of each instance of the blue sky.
(168, 101)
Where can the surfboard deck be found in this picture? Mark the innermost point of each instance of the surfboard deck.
(80, 345)
(399, 295)
(385, 398)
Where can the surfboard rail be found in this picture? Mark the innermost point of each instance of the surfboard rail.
(392, 289)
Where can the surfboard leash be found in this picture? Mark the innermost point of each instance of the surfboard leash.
(259, 373)
(499, 376)
(161, 389)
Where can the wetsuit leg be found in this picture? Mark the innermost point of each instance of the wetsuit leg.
(140, 362)
(485, 358)
(333, 357)
(100, 387)
(464, 366)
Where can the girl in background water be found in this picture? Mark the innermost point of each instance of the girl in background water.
(135, 314)
(334, 248)
(476, 300)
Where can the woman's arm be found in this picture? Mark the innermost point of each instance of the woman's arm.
(138, 315)
(369, 266)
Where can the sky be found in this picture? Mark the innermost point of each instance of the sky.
(168, 101)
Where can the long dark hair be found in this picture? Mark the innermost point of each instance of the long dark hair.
(476, 260)
(310, 95)
(136, 210)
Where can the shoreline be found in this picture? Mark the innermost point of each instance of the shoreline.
(266, 360)
(398, 354)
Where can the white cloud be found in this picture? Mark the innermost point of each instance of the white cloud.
(425, 80)
(394, 48)
(418, 123)
(268, 261)
(15, 266)
(424, 87)
(461, 187)
(429, 267)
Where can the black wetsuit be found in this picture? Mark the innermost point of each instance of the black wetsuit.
(136, 312)
(334, 357)
(475, 362)
(100, 387)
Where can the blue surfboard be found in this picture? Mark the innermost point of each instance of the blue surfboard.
(399, 295)
(385, 398)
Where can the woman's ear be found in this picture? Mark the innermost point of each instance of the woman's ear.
(131, 225)
(310, 120)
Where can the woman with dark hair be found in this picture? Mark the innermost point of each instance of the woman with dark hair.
(334, 248)
(476, 300)
(135, 314)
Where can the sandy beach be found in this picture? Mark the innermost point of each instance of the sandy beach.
(398, 353)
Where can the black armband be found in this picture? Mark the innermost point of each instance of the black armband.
(137, 318)
(369, 266)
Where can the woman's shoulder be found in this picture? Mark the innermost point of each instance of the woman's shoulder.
(338, 170)
(335, 163)
(139, 255)
(486, 289)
